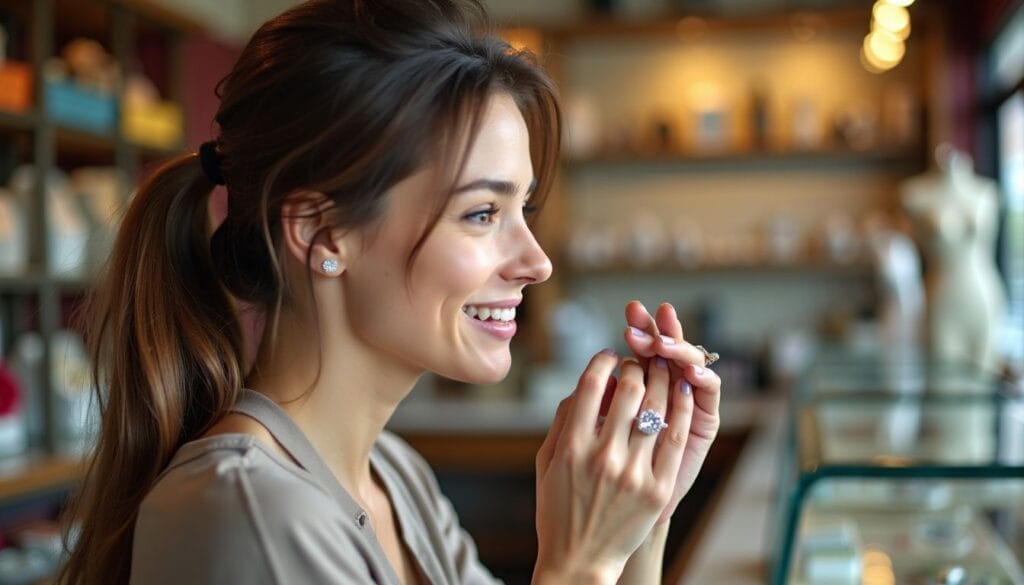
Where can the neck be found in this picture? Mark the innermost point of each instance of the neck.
(344, 409)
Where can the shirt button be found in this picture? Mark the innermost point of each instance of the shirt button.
(361, 519)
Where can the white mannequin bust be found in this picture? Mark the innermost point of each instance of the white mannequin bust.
(954, 214)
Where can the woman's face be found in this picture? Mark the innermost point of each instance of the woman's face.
(453, 312)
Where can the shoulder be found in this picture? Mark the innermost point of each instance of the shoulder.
(229, 473)
(228, 509)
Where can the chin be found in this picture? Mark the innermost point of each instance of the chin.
(484, 373)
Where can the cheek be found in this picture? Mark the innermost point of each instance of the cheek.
(453, 269)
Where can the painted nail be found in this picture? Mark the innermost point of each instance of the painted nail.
(698, 370)
(608, 351)
(685, 387)
(665, 339)
(661, 363)
(637, 332)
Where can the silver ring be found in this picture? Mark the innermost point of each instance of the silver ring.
(710, 357)
(650, 422)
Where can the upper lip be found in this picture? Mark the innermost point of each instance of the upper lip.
(508, 304)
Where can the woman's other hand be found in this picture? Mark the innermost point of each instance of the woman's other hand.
(662, 336)
(601, 486)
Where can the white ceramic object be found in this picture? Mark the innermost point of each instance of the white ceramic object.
(13, 235)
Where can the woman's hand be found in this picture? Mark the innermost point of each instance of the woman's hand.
(601, 486)
(662, 336)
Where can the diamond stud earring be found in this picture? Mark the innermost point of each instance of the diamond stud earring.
(330, 266)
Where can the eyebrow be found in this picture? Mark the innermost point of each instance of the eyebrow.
(506, 188)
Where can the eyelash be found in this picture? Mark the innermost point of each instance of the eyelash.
(491, 211)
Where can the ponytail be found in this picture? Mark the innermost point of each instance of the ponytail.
(167, 363)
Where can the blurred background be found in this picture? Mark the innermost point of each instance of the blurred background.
(831, 193)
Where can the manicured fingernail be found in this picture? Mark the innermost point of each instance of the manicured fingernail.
(608, 351)
(665, 339)
(661, 363)
(685, 387)
(637, 332)
(698, 370)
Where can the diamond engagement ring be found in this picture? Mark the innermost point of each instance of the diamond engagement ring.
(710, 357)
(650, 422)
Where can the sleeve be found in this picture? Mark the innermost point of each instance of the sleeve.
(442, 521)
(232, 524)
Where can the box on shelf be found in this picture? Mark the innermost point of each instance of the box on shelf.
(157, 125)
(15, 86)
(80, 107)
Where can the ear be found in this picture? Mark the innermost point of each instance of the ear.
(305, 230)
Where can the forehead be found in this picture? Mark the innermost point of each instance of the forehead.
(500, 152)
(501, 149)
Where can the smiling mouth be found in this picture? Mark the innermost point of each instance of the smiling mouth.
(484, 313)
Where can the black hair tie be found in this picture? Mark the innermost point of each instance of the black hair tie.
(210, 160)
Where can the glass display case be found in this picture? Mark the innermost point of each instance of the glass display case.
(907, 472)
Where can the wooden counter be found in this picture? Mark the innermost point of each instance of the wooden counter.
(735, 544)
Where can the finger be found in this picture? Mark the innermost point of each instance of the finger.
(642, 445)
(671, 334)
(641, 331)
(628, 394)
(680, 353)
(707, 387)
(582, 415)
(547, 448)
(609, 392)
(669, 453)
(668, 321)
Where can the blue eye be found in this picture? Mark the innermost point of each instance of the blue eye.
(485, 216)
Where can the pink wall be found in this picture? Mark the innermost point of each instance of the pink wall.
(207, 61)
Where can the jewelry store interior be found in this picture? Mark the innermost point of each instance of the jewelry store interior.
(830, 192)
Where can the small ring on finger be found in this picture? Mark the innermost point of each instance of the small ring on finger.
(710, 357)
(650, 422)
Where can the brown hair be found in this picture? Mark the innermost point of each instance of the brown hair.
(344, 98)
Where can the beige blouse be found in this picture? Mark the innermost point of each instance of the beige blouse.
(229, 509)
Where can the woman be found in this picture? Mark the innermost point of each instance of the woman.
(380, 159)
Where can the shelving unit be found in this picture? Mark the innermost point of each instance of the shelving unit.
(119, 25)
(612, 59)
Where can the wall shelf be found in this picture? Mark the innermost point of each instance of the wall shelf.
(878, 155)
(36, 280)
(29, 475)
(604, 27)
(17, 121)
(853, 270)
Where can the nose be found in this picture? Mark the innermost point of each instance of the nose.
(528, 263)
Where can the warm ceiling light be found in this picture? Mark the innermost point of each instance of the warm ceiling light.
(894, 19)
(868, 63)
(903, 3)
(881, 52)
(884, 48)
(901, 34)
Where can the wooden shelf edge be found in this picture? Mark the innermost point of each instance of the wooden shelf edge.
(25, 475)
(797, 268)
(17, 120)
(35, 280)
(603, 27)
(881, 154)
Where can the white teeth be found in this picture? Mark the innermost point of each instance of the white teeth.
(485, 313)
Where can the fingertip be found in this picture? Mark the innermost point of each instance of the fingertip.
(637, 333)
(685, 388)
